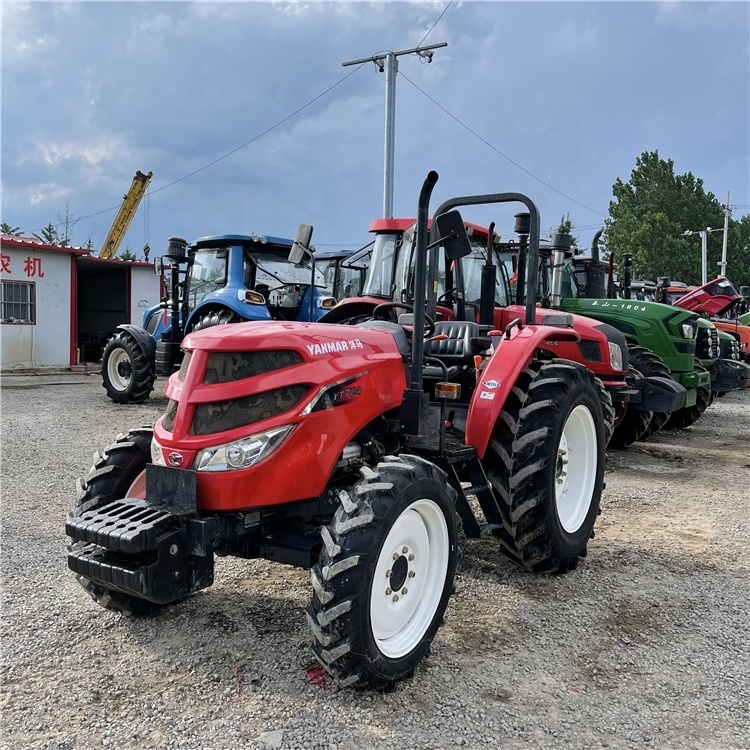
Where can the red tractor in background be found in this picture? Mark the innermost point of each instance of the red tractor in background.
(462, 286)
(721, 303)
(351, 450)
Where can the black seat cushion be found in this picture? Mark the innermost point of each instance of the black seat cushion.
(457, 349)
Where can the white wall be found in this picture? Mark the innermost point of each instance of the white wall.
(47, 343)
(145, 288)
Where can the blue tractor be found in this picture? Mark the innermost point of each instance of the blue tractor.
(215, 280)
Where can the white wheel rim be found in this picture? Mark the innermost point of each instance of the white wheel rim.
(575, 470)
(414, 555)
(117, 358)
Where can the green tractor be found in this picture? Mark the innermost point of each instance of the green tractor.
(662, 340)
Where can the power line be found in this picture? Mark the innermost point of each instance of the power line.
(436, 23)
(497, 150)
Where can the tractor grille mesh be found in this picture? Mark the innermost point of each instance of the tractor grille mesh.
(220, 416)
(224, 367)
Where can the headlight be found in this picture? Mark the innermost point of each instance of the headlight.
(240, 454)
(156, 455)
(615, 356)
(688, 330)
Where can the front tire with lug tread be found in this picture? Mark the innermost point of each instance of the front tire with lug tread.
(118, 471)
(633, 423)
(650, 364)
(689, 415)
(385, 573)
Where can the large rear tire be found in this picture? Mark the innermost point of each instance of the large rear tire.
(118, 472)
(128, 372)
(689, 415)
(545, 462)
(216, 318)
(633, 424)
(650, 364)
(385, 573)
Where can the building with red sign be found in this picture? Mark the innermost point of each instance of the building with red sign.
(59, 305)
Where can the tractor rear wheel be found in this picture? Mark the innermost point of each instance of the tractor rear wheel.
(216, 318)
(545, 462)
(128, 373)
(385, 573)
(118, 471)
(689, 415)
(633, 424)
(650, 364)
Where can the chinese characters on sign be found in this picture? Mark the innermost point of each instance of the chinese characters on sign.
(31, 266)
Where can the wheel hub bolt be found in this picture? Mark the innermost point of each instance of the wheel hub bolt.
(412, 574)
(395, 598)
(173, 550)
(396, 555)
(411, 557)
(404, 549)
(404, 591)
(388, 592)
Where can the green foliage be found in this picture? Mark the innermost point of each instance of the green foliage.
(127, 255)
(49, 235)
(738, 252)
(649, 217)
(6, 228)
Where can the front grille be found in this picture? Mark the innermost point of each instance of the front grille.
(225, 367)
(220, 416)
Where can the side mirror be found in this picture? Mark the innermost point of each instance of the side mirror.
(158, 266)
(301, 244)
(452, 233)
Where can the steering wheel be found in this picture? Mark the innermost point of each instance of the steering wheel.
(447, 293)
(381, 312)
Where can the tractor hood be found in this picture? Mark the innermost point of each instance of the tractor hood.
(712, 298)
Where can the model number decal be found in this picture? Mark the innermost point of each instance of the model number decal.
(332, 347)
(619, 305)
(346, 393)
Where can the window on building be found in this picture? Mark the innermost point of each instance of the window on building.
(19, 302)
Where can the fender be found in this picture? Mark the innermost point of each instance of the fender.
(230, 303)
(510, 357)
(142, 336)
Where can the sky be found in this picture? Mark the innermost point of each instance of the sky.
(250, 123)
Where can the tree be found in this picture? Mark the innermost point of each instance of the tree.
(67, 222)
(650, 215)
(738, 251)
(127, 254)
(6, 228)
(48, 235)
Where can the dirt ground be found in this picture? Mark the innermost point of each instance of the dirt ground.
(645, 644)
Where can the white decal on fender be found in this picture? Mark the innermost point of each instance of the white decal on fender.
(487, 395)
(491, 384)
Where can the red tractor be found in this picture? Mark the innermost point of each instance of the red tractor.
(477, 287)
(351, 450)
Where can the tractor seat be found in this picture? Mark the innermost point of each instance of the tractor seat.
(459, 348)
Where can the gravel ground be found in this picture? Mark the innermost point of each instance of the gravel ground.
(645, 645)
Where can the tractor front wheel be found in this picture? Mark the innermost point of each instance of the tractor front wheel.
(128, 373)
(385, 573)
(650, 364)
(546, 460)
(634, 423)
(689, 415)
(118, 471)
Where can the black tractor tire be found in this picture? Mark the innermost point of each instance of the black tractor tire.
(385, 573)
(216, 318)
(128, 372)
(114, 470)
(545, 461)
(689, 415)
(633, 423)
(650, 364)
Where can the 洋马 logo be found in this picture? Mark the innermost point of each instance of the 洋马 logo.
(175, 459)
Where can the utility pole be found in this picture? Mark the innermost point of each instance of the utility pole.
(388, 62)
(704, 248)
(723, 262)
